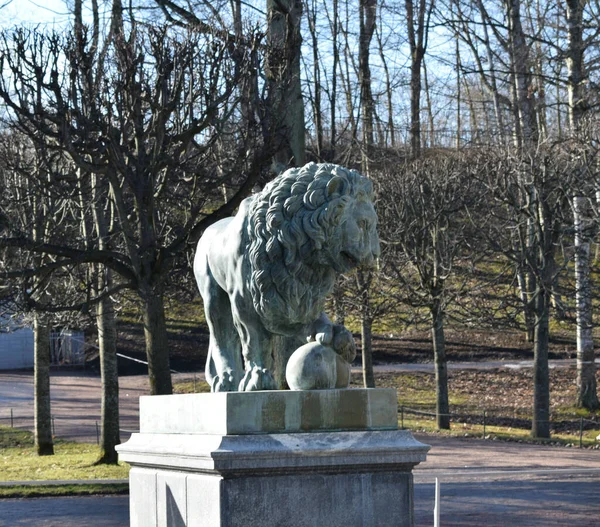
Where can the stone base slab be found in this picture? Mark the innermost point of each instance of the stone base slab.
(270, 412)
(317, 479)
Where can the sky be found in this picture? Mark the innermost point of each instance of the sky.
(43, 12)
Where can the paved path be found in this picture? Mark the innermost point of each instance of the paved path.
(76, 396)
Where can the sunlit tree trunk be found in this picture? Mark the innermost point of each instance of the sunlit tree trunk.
(587, 396)
(107, 342)
(284, 42)
(44, 445)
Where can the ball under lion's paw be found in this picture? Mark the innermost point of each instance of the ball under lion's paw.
(226, 382)
(257, 379)
(316, 367)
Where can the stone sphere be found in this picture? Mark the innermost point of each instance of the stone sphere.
(312, 367)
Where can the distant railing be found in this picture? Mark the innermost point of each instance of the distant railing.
(67, 348)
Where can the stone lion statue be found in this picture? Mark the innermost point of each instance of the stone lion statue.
(264, 273)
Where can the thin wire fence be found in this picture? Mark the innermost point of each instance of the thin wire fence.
(72, 428)
(77, 428)
(485, 418)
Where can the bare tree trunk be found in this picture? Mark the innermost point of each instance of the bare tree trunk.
(575, 65)
(157, 349)
(345, 74)
(388, 92)
(42, 410)
(524, 92)
(458, 96)
(415, 108)
(493, 83)
(363, 280)
(107, 331)
(418, 30)
(311, 15)
(587, 396)
(441, 367)
(107, 342)
(336, 61)
(429, 108)
(540, 426)
(285, 92)
(368, 11)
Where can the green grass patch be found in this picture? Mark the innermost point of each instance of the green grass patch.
(191, 387)
(71, 461)
(427, 425)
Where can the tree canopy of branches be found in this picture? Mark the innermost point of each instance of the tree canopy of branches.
(153, 117)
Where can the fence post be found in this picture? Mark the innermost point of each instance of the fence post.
(11, 418)
(484, 422)
(97, 434)
(53, 428)
(436, 507)
(194, 383)
(402, 418)
(581, 432)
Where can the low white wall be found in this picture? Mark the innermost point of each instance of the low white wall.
(16, 349)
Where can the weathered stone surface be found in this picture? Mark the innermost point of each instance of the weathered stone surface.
(276, 453)
(142, 495)
(264, 274)
(333, 479)
(323, 458)
(270, 412)
(316, 367)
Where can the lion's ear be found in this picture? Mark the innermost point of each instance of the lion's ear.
(336, 185)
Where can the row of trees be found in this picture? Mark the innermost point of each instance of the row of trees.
(119, 148)
(458, 229)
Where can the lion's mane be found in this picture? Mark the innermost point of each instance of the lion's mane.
(289, 221)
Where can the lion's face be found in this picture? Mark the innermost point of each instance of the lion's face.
(354, 242)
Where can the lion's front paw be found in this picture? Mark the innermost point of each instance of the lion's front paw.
(226, 382)
(256, 379)
(343, 343)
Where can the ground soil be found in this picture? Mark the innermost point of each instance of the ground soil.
(188, 347)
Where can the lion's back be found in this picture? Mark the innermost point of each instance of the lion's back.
(221, 249)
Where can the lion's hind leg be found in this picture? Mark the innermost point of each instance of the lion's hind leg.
(224, 367)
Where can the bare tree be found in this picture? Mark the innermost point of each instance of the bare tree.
(587, 396)
(425, 210)
(144, 119)
(418, 34)
(368, 21)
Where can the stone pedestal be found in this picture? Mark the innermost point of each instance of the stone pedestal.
(284, 459)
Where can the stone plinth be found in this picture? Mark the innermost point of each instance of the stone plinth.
(195, 463)
(276, 411)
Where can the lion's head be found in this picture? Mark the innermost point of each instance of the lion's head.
(306, 226)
